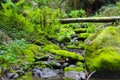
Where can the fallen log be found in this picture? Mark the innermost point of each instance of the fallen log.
(90, 19)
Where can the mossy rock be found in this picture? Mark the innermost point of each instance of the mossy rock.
(68, 54)
(83, 36)
(80, 30)
(64, 39)
(103, 51)
(79, 64)
(81, 45)
(78, 67)
(73, 47)
(74, 69)
(54, 49)
(48, 48)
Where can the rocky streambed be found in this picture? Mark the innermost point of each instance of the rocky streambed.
(74, 58)
(54, 61)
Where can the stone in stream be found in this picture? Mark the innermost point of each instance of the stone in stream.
(74, 75)
(45, 73)
(48, 73)
(12, 76)
(102, 52)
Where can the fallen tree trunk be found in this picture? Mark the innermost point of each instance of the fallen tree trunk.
(90, 19)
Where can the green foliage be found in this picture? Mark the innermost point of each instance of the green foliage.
(45, 19)
(17, 53)
(19, 20)
(110, 10)
(13, 23)
(65, 33)
(27, 76)
(77, 13)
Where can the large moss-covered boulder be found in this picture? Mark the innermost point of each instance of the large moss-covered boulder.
(103, 51)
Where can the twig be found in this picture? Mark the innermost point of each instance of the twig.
(90, 75)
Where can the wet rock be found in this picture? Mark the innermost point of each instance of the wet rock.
(20, 72)
(65, 64)
(73, 66)
(12, 75)
(36, 73)
(58, 65)
(74, 39)
(45, 62)
(82, 75)
(75, 75)
(16, 76)
(47, 73)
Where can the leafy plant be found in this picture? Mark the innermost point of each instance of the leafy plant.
(77, 13)
(13, 23)
(17, 53)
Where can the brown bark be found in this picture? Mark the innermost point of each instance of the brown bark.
(89, 19)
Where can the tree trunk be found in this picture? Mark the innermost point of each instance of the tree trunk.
(89, 19)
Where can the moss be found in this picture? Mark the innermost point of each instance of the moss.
(102, 51)
(80, 30)
(73, 69)
(68, 54)
(64, 39)
(72, 47)
(54, 49)
(28, 55)
(81, 45)
(48, 48)
(34, 48)
(107, 61)
(79, 64)
(30, 52)
(83, 36)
